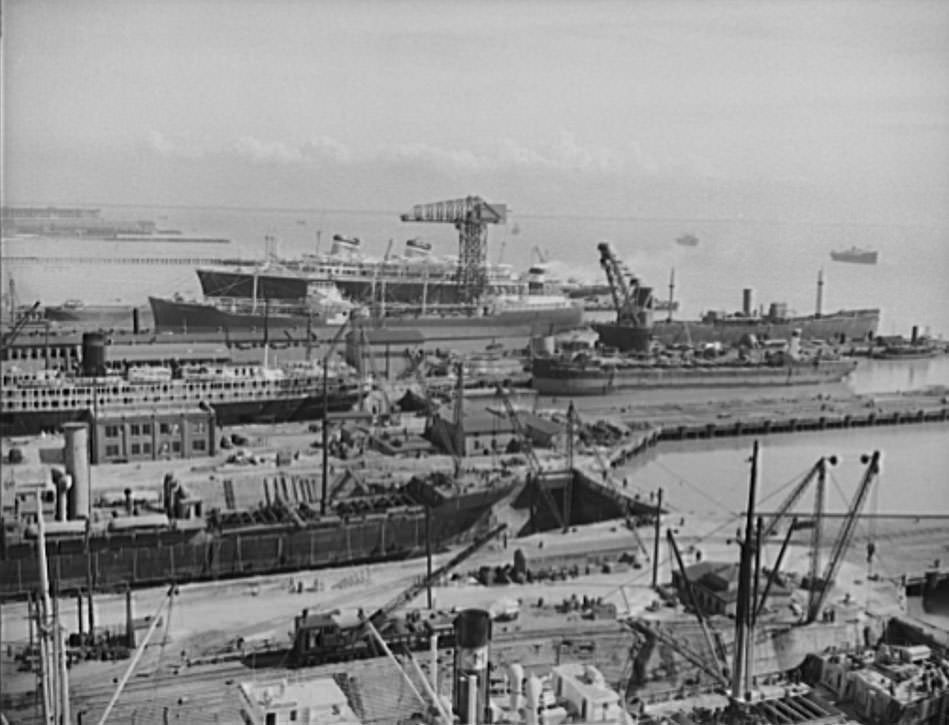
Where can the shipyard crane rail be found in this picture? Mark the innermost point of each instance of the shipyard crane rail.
(820, 592)
(471, 217)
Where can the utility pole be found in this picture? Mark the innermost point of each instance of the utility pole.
(655, 548)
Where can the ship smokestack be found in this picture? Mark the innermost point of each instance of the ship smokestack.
(135, 322)
(672, 292)
(473, 638)
(914, 335)
(76, 458)
(93, 354)
(746, 305)
(820, 293)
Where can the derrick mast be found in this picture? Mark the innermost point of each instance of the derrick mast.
(471, 217)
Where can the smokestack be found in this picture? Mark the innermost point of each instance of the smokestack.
(472, 644)
(914, 335)
(672, 292)
(746, 302)
(93, 354)
(516, 685)
(129, 623)
(820, 293)
(135, 326)
(76, 458)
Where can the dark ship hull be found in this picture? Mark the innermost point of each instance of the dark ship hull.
(552, 376)
(175, 316)
(151, 558)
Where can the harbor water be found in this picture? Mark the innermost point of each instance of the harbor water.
(778, 260)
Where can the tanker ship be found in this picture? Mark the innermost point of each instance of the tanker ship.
(45, 400)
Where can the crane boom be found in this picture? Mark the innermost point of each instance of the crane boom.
(655, 630)
(633, 302)
(792, 498)
(720, 666)
(843, 538)
(19, 325)
(408, 594)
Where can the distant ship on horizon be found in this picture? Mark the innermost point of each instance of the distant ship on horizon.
(855, 255)
(688, 240)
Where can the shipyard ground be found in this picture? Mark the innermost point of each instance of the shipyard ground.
(206, 619)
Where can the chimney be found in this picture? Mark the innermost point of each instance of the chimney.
(746, 302)
(472, 649)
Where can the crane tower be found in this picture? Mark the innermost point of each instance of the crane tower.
(471, 217)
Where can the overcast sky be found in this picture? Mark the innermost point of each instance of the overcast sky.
(823, 110)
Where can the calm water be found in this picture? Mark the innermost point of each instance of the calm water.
(779, 261)
(712, 476)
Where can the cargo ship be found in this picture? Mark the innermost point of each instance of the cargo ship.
(82, 223)
(855, 255)
(136, 546)
(586, 374)
(635, 328)
(45, 400)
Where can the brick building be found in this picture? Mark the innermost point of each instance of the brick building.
(153, 434)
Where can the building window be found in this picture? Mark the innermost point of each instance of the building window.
(271, 718)
(112, 451)
(147, 429)
(146, 447)
(176, 446)
(111, 431)
(163, 428)
(135, 429)
(293, 716)
(199, 445)
(136, 449)
(200, 427)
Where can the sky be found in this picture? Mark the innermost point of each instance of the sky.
(785, 109)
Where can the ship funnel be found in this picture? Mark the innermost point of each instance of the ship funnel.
(533, 690)
(76, 458)
(93, 354)
(516, 685)
(914, 335)
(472, 637)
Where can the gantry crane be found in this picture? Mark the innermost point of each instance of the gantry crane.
(633, 302)
(471, 217)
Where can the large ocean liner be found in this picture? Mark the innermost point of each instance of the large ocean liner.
(414, 288)
(45, 400)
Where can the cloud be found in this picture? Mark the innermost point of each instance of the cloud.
(566, 154)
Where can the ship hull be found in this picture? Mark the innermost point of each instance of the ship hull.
(276, 410)
(844, 325)
(98, 314)
(174, 316)
(551, 377)
(157, 558)
(854, 258)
